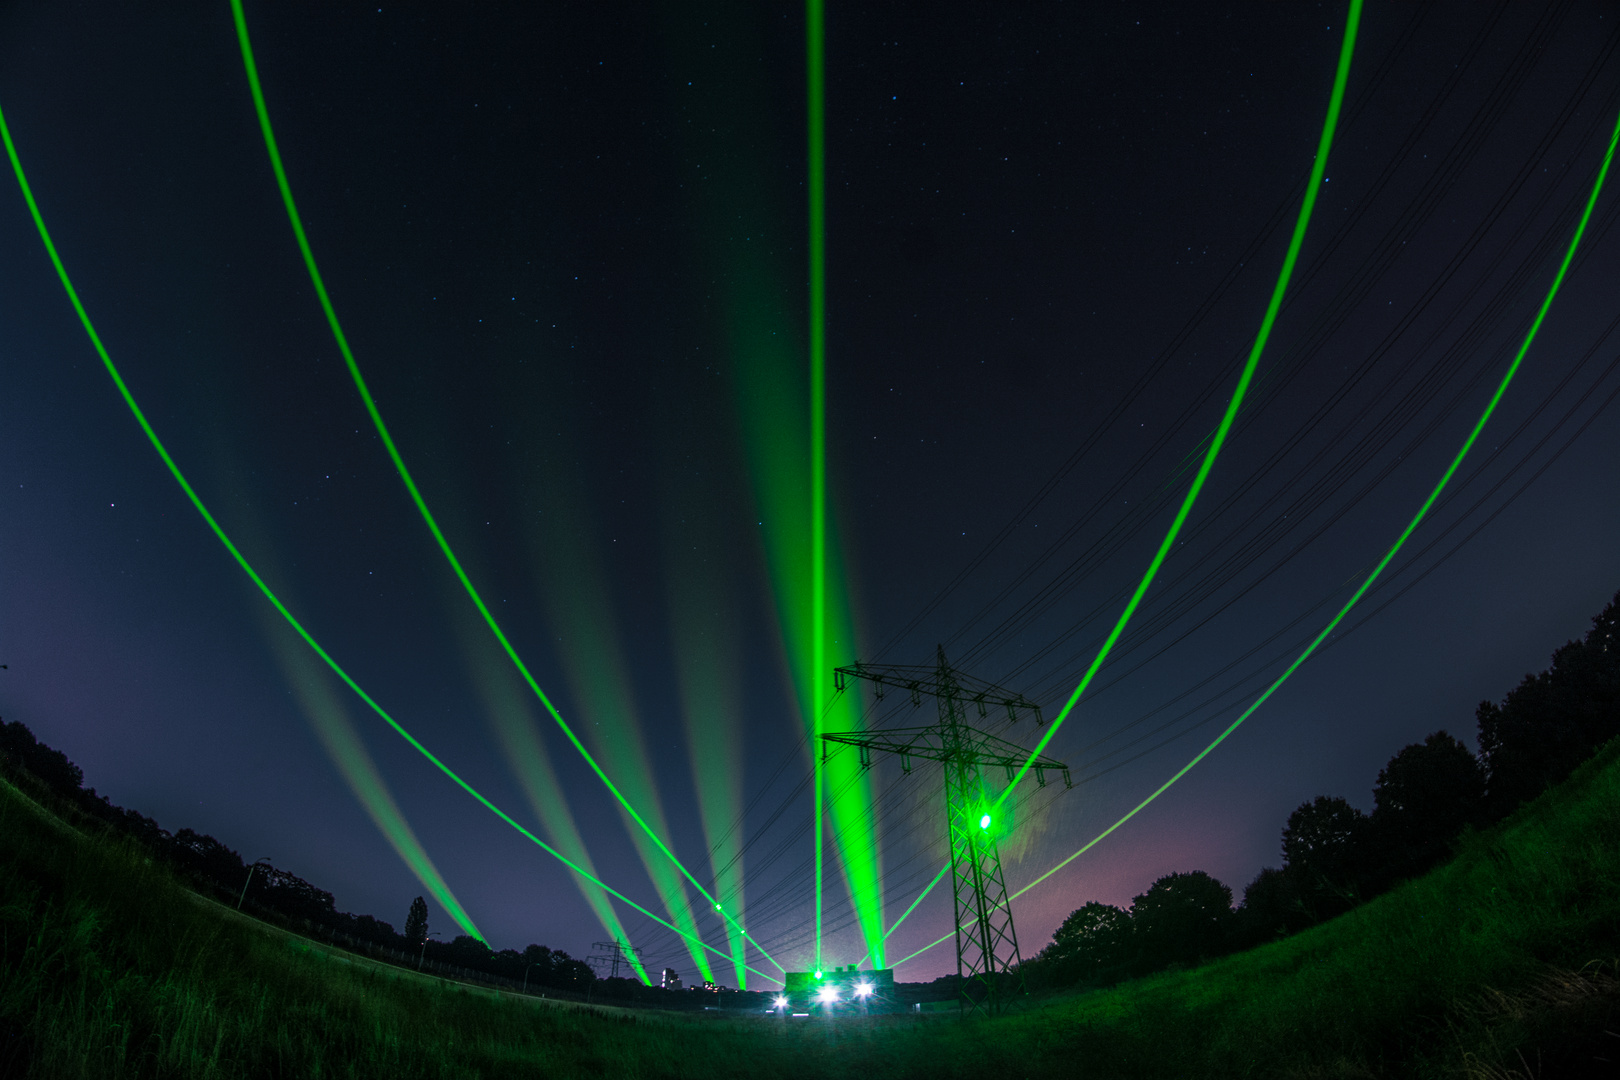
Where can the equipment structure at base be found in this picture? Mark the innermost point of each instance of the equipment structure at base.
(987, 956)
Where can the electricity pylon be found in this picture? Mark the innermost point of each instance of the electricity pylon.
(615, 954)
(987, 956)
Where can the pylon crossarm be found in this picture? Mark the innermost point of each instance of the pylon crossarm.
(937, 681)
(928, 743)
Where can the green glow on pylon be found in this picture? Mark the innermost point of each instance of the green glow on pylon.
(627, 805)
(253, 575)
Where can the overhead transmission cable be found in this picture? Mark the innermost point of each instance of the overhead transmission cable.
(1283, 521)
(1290, 258)
(1096, 432)
(387, 439)
(259, 582)
(1412, 561)
(1335, 103)
(1423, 206)
(1394, 549)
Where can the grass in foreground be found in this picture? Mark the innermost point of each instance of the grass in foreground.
(1498, 964)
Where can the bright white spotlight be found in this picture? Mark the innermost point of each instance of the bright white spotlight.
(827, 995)
(781, 1003)
(984, 822)
(863, 990)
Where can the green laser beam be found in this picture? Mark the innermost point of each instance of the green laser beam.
(247, 567)
(1335, 102)
(312, 687)
(507, 704)
(1411, 527)
(815, 58)
(1400, 541)
(1341, 77)
(282, 184)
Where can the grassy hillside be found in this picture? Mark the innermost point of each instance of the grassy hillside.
(1499, 963)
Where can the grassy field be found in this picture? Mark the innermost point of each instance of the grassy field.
(1500, 963)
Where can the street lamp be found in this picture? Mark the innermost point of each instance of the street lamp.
(262, 862)
(525, 972)
(423, 954)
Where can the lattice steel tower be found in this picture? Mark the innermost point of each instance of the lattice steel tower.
(987, 955)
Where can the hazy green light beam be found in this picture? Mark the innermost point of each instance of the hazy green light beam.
(405, 476)
(506, 702)
(815, 42)
(343, 745)
(1411, 527)
(1335, 102)
(253, 575)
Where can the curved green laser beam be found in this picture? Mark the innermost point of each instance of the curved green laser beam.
(1411, 527)
(1341, 77)
(1400, 541)
(405, 476)
(815, 53)
(253, 575)
(1335, 103)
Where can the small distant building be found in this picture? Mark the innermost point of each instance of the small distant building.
(671, 981)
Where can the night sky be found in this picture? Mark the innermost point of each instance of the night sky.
(550, 231)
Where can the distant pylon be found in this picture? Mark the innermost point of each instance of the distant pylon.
(615, 955)
(987, 956)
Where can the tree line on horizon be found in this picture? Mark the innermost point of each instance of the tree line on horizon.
(218, 871)
(1335, 856)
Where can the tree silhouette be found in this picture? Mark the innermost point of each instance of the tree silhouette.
(1424, 797)
(1273, 907)
(1322, 847)
(1181, 919)
(416, 928)
(1092, 945)
(1551, 722)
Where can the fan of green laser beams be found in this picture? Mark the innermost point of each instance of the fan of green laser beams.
(1389, 555)
(247, 567)
(251, 70)
(771, 391)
